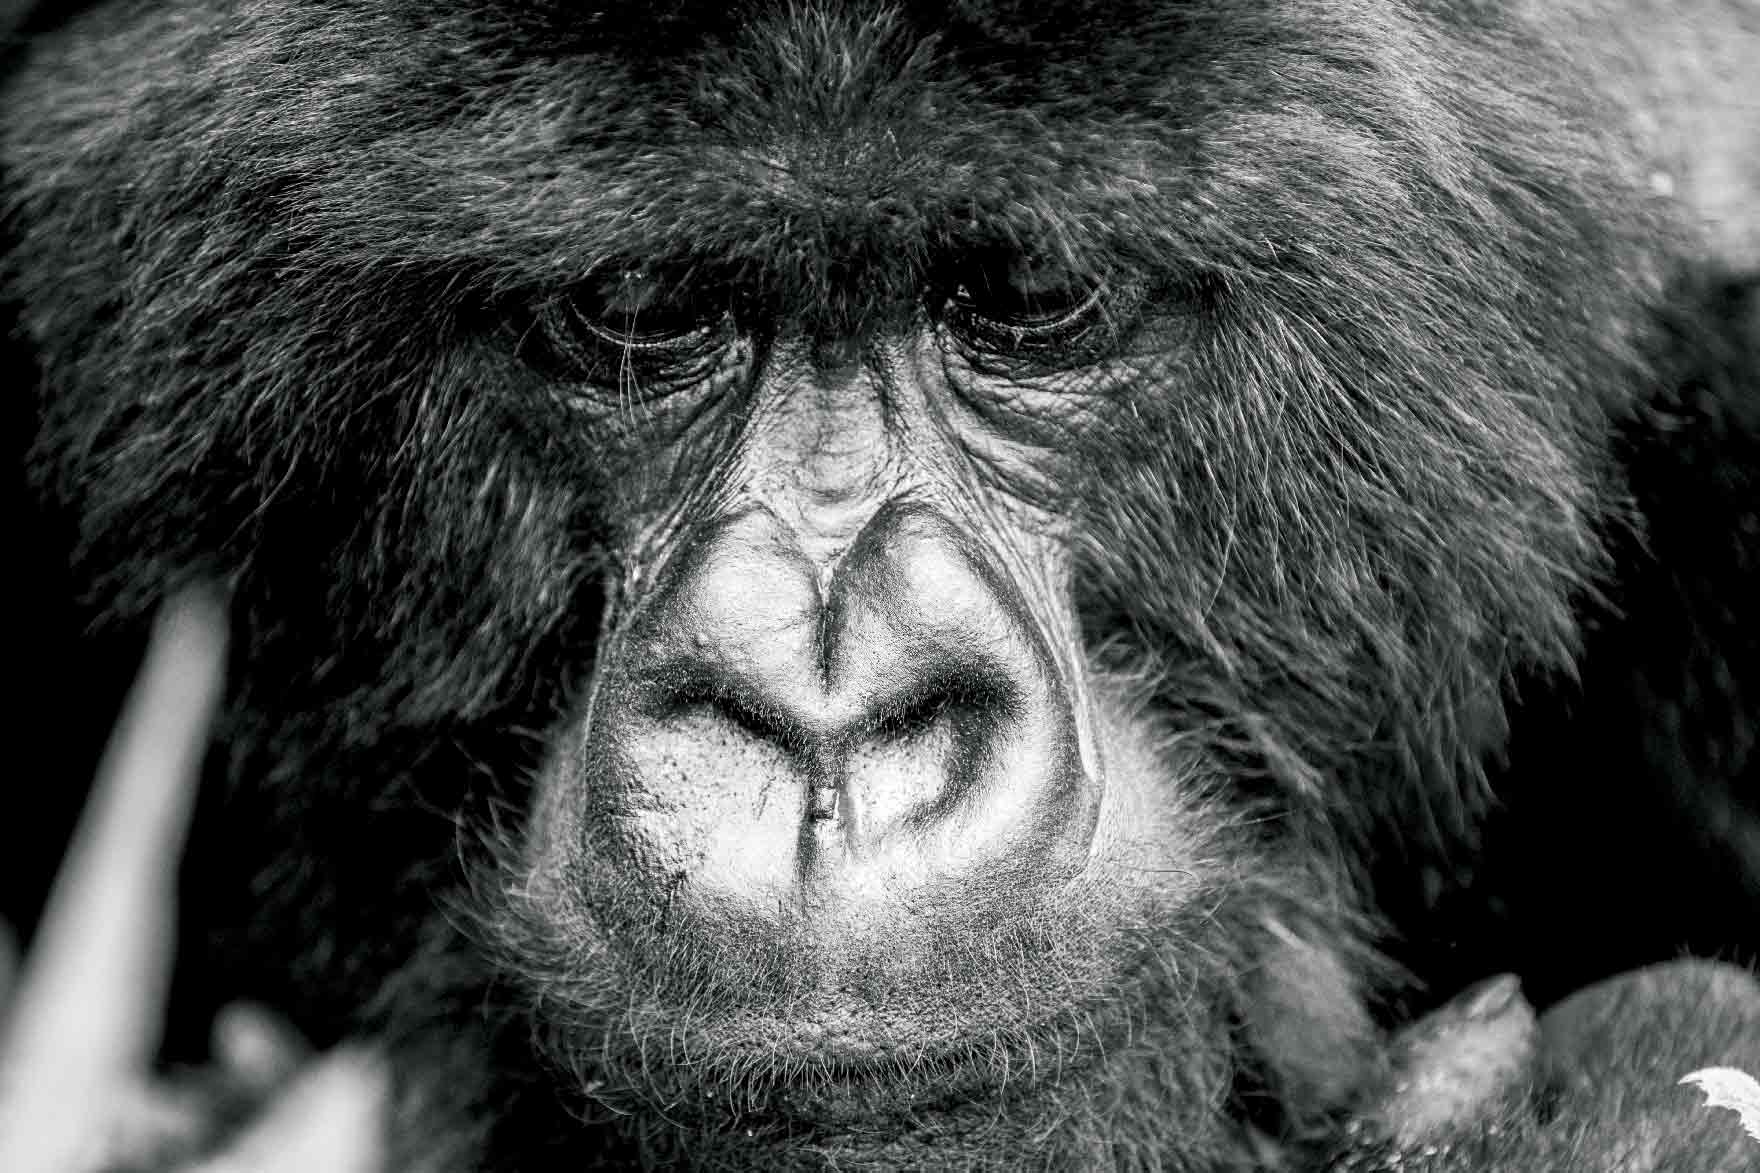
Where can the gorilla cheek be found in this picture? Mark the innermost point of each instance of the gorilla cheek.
(829, 754)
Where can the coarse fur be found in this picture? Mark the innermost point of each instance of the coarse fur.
(1393, 418)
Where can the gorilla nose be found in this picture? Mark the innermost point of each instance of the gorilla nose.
(894, 724)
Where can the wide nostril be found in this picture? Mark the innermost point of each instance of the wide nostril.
(973, 702)
(680, 690)
(912, 717)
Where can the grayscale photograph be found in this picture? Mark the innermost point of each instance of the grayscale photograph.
(849, 586)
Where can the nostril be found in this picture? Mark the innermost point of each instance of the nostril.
(758, 721)
(971, 702)
(965, 705)
(677, 690)
(913, 718)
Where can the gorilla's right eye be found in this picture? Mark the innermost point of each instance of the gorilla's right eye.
(629, 317)
(639, 311)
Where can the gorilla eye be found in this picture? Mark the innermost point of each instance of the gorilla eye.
(1013, 304)
(637, 311)
(630, 323)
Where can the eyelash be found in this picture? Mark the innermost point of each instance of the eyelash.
(1007, 332)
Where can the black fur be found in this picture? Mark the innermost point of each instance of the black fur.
(1429, 378)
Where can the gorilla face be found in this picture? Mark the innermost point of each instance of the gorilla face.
(821, 585)
(846, 818)
(847, 824)
(874, 796)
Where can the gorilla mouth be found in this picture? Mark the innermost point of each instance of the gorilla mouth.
(723, 1020)
(836, 1088)
(1037, 1027)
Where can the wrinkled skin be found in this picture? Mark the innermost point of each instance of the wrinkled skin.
(869, 587)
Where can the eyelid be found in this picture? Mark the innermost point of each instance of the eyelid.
(1054, 321)
(570, 335)
(653, 341)
(1037, 330)
(614, 316)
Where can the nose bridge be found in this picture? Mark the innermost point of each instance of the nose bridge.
(825, 455)
(907, 592)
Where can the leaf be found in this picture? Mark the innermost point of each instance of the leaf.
(1726, 1087)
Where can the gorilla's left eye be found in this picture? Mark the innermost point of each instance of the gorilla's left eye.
(1011, 304)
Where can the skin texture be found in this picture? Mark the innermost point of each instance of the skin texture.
(878, 587)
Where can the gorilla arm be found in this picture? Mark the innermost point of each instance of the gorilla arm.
(1595, 1084)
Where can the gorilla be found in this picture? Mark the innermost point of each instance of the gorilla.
(892, 585)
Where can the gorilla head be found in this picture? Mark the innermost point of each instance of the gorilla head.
(841, 585)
